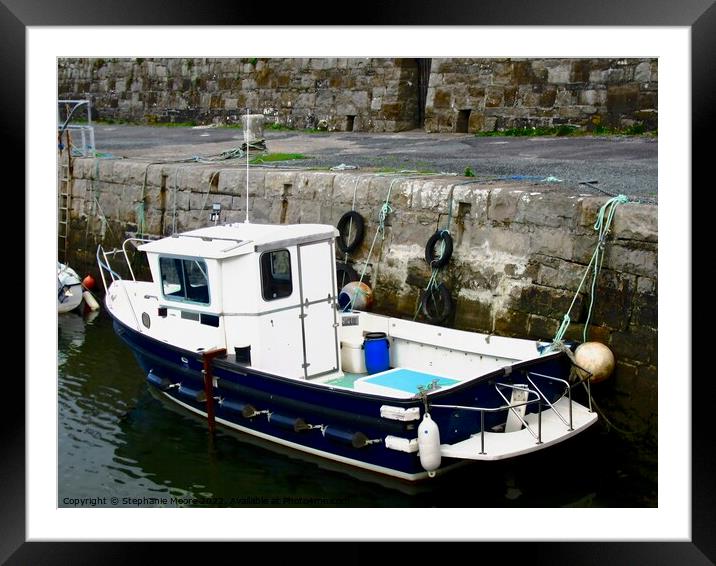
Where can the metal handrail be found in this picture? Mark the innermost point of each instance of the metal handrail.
(126, 257)
(520, 388)
(104, 266)
(568, 389)
(511, 406)
(540, 397)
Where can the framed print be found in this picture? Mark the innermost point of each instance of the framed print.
(36, 529)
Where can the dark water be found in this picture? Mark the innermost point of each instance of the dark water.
(116, 439)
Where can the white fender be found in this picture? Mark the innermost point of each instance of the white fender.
(429, 444)
(90, 300)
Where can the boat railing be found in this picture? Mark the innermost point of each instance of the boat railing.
(541, 399)
(509, 406)
(104, 263)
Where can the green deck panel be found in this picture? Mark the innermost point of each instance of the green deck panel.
(347, 380)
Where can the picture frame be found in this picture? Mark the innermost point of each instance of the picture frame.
(700, 16)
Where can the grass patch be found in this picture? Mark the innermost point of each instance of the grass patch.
(272, 157)
(277, 127)
(569, 130)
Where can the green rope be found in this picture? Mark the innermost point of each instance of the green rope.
(602, 225)
(383, 213)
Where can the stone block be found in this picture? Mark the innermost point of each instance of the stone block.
(636, 222)
(642, 73)
(105, 167)
(512, 323)
(346, 186)
(154, 175)
(636, 343)
(545, 208)
(622, 99)
(595, 333)
(315, 186)
(639, 260)
(548, 302)
(611, 307)
(645, 311)
(558, 273)
(646, 285)
(473, 315)
(494, 96)
(542, 328)
(502, 205)
(551, 241)
(432, 195)
(231, 181)
(559, 74)
(593, 97)
(590, 209)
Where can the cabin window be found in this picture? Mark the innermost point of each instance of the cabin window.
(276, 275)
(184, 280)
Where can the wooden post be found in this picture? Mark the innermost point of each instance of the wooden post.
(207, 358)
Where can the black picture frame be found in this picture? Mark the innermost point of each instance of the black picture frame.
(699, 15)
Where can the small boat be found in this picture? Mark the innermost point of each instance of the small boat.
(69, 289)
(241, 324)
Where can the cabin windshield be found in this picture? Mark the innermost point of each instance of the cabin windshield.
(184, 279)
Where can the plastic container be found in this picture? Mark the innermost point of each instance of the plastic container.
(377, 355)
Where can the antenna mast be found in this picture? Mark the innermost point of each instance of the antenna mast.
(246, 136)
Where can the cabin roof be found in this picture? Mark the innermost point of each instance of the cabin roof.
(229, 240)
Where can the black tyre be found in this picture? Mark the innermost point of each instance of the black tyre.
(435, 254)
(351, 228)
(344, 275)
(436, 304)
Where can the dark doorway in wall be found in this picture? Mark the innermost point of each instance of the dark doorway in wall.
(350, 121)
(423, 81)
(463, 119)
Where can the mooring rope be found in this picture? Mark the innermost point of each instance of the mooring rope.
(602, 225)
(383, 213)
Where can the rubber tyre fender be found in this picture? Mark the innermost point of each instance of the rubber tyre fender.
(344, 274)
(343, 225)
(430, 258)
(445, 300)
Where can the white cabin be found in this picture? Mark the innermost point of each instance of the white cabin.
(265, 289)
(267, 293)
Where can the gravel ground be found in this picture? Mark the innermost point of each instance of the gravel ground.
(618, 164)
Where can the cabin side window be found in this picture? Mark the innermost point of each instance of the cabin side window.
(276, 275)
(184, 280)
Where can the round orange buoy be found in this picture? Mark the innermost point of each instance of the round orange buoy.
(596, 358)
(88, 282)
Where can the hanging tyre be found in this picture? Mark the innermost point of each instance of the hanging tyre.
(436, 303)
(438, 250)
(350, 227)
(344, 274)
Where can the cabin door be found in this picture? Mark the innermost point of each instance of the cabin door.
(319, 322)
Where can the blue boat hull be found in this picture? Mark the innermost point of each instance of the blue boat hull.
(330, 422)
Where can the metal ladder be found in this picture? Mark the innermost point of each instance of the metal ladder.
(64, 201)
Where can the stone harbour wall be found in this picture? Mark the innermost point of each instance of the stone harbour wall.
(335, 94)
(479, 95)
(520, 250)
(371, 94)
